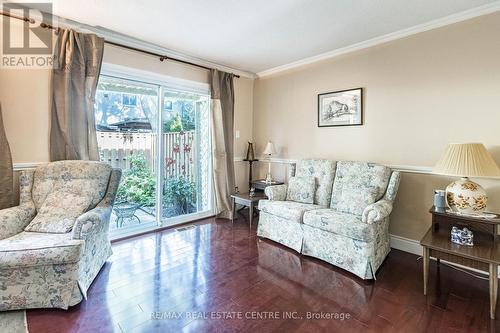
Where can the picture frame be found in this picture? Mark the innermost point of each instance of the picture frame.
(340, 108)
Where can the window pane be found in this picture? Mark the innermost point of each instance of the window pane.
(126, 118)
(186, 146)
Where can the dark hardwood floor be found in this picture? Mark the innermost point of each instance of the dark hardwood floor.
(167, 282)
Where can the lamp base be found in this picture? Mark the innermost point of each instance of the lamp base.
(466, 197)
(269, 180)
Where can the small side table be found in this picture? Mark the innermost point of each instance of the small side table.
(483, 255)
(246, 200)
(260, 184)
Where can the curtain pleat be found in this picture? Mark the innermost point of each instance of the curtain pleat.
(6, 173)
(222, 112)
(77, 64)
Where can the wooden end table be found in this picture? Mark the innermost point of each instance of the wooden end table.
(246, 200)
(484, 255)
(260, 184)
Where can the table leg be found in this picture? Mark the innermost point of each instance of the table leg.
(250, 213)
(425, 262)
(493, 289)
(234, 211)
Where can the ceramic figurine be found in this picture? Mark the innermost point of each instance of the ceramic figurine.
(462, 237)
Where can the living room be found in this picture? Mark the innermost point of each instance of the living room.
(269, 166)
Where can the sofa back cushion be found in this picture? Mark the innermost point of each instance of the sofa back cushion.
(88, 179)
(353, 200)
(301, 189)
(367, 179)
(323, 171)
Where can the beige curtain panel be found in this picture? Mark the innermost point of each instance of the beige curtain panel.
(6, 173)
(77, 64)
(222, 104)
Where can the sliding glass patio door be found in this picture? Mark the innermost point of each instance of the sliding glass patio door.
(159, 135)
(186, 154)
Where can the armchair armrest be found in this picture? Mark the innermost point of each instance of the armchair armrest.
(95, 221)
(91, 223)
(13, 220)
(276, 192)
(377, 211)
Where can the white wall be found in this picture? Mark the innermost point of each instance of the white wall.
(420, 93)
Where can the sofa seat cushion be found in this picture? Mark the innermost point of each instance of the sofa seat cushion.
(38, 249)
(343, 224)
(289, 210)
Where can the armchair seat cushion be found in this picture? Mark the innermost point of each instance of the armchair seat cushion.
(289, 210)
(340, 223)
(37, 249)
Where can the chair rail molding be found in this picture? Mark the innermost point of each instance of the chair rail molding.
(397, 167)
(26, 165)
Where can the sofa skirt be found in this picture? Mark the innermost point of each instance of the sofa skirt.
(358, 257)
(280, 230)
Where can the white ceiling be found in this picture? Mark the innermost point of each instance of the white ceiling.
(257, 35)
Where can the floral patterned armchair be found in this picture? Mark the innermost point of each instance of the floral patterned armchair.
(347, 221)
(50, 251)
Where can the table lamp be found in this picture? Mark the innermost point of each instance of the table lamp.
(269, 151)
(466, 160)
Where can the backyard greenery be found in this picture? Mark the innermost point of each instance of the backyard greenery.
(138, 183)
(138, 187)
(179, 195)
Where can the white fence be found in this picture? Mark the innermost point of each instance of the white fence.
(179, 147)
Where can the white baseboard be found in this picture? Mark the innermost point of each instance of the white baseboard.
(406, 245)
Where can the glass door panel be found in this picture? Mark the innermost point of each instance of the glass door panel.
(126, 115)
(186, 154)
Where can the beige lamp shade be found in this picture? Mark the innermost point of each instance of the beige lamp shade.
(467, 160)
(270, 150)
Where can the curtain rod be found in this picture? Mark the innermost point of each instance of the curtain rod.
(160, 56)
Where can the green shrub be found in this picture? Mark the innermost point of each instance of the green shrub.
(138, 183)
(173, 125)
(180, 193)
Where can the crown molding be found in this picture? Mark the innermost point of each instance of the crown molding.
(434, 24)
(127, 40)
(116, 37)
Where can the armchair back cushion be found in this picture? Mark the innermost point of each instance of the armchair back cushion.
(323, 171)
(356, 180)
(59, 212)
(301, 189)
(90, 179)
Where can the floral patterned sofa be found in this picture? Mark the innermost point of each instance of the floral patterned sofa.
(50, 251)
(346, 222)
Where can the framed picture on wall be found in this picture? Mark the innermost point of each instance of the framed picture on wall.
(340, 108)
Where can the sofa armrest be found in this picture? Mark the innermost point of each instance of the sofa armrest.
(91, 223)
(13, 220)
(276, 192)
(377, 211)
